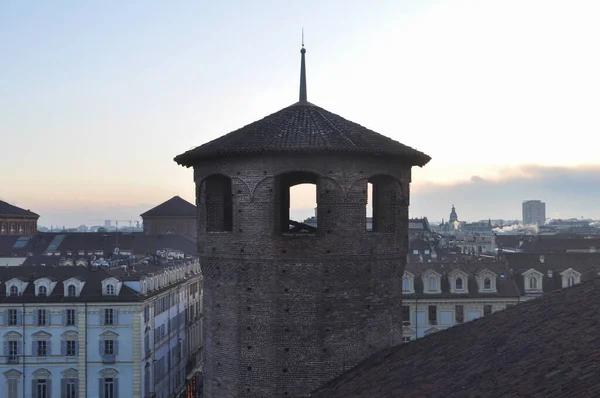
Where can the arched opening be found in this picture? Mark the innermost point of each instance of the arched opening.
(532, 283)
(219, 206)
(72, 291)
(571, 281)
(42, 291)
(382, 199)
(297, 193)
(405, 285)
(14, 291)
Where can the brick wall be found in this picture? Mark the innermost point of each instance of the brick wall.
(285, 313)
(186, 226)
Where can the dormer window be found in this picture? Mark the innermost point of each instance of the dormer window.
(486, 281)
(42, 291)
(533, 281)
(570, 278)
(14, 291)
(110, 290)
(408, 283)
(405, 285)
(487, 284)
(72, 291)
(459, 284)
(432, 284)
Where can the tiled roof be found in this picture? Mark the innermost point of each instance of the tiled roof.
(138, 243)
(547, 347)
(174, 207)
(7, 209)
(549, 243)
(302, 128)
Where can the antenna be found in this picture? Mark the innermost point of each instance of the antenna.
(303, 37)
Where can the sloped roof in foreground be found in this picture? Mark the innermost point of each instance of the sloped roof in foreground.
(6, 209)
(547, 347)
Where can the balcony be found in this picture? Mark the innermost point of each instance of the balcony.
(108, 358)
(12, 359)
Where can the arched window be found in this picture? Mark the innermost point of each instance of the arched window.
(14, 291)
(72, 291)
(459, 284)
(487, 284)
(42, 291)
(110, 290)
(405, 285)
(571, 281)
(432, 284)
(292, 190)
(532, 283)
(219, 207)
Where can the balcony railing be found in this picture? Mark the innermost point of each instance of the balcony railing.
(12, 359)
(108, 358)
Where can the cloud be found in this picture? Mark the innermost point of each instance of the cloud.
(567, 191)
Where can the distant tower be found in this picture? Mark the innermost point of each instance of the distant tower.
(453, 215)
(287, 306)
(534, 212)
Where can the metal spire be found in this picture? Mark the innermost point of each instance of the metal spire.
(303, 72)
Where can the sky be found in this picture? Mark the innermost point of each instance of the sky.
(96, 98)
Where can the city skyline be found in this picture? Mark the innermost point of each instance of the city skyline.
(107, 110)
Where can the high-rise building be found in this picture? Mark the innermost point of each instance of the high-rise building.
(534, 212)
(288, 305)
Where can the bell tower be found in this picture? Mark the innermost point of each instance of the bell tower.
(290, 306)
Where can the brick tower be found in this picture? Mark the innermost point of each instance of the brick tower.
(289, 306)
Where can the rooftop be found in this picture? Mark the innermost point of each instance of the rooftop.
(174, 207)
(6, 209)
(547, 347)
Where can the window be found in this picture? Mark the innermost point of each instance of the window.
(109, 316)
(40, 348)
(71, 348)
(459, 314)
(41, 388)
(459, 284)
(432, 284)
(41, 317)
(487, 284)
(12, 356)
(406, 315)
(473, 314)
(70, 388)
(72, 291)
(420, 317)
(146, 314)
(433, 315)
(406, 339)
(12, 388)
(415, 251)
(42, 291)
(532, 283)
(109, 390)
(14, 291)
(487, 309)
(571, 281)
(109, 347)
(110, 289)
(405, 285)
(70, 317)
(219, 207)
(294, 191)
(13, 317)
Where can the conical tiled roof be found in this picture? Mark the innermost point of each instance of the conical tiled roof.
(302, 128)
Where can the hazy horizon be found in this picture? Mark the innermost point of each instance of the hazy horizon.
(98, 98)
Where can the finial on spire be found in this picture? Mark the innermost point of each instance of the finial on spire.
(303, 97)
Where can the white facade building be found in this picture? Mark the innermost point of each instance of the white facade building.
(100, 332)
